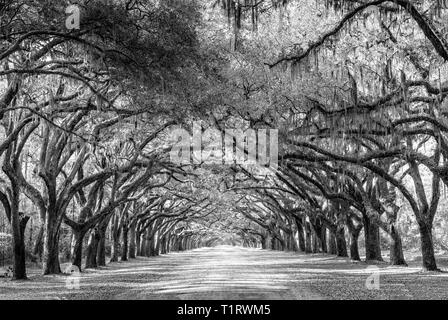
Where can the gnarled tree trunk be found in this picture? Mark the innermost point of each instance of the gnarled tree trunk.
(38, 247)
(132, 240)
(354, 231)
(51, 244)
(354, 250)
(332, 247)
(18, 242)
(92, 248)
(124, 249)
(77, 249)
(427, 246)
(396, 248)
(300, 236)
(372, 240)
(341, 243)
(307, 228)
(101, 246)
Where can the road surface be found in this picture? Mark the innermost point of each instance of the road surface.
(234, 273)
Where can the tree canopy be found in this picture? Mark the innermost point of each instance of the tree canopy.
(356, 89)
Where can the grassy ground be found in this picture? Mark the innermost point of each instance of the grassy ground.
(237, 273)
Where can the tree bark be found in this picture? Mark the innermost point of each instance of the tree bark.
(427, 246)
(51, 244)
(263, 242)
(341, 243)
(115, 248)
(18, 241)
(156, 244)
(38, 247)
(92, 248)
(307, 237)
(168, 244)
(293, 242)
(132, 241)
(396, 248)
(148, 246)
(354, 250)
(272, 243)
(300, 236)
(372, 240)
(124, 249)
(142, 247)
(138, 244)
(318, 239)
(77, 249)
(315, 242)
(332, 246)
(163, 245)
(101, 246)
(323, 237)
(354, 231)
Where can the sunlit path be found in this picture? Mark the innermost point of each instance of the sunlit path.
(225, 273)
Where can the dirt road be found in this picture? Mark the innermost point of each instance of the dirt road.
(234, 273)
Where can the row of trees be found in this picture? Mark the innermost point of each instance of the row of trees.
(362, 113)
(86, 114)
(83, 113)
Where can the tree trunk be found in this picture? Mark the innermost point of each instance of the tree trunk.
(138, 243)
(293, 242)
(143, 244)
(300, 236)
(272, 243)
(18, 242)
(307, 237)
(38, 247)
(101, 246)
(163, 245)
(156, 244)
(148, 246)
(315, 242)
(92, 248)
(354, 251)
(173, 243)
(132, 241)
(396, 248)
(323, 237)
(179, 243)
(332, 246)
(372, 240)
(427, 246)
(51, 244)
(124, 249)
(354, 230)
(341, 243)
(263, 242)
(267, 241)
(152, 246)
(318, 240)
(115, 248)
(77, 249)
(18, 221)
(168, 244)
